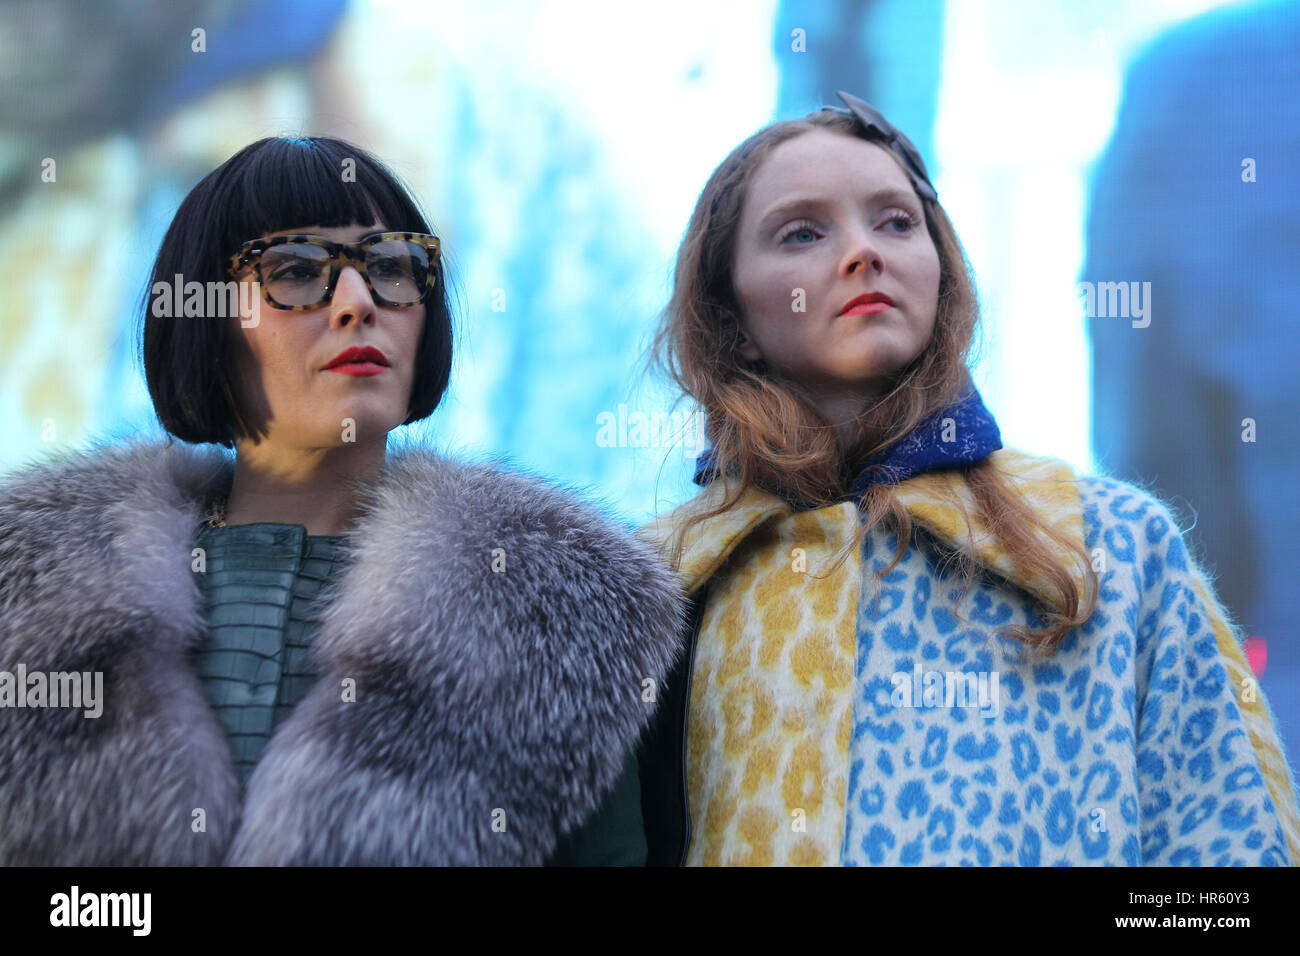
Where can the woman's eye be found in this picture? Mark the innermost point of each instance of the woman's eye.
(906, 218)
(295, 272)
(805, 233)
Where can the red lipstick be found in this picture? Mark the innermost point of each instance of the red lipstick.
(366, 360)
(867, 304)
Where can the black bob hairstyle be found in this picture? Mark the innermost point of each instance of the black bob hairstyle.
(271, 185)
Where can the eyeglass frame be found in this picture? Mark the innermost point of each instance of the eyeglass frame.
(250, 253)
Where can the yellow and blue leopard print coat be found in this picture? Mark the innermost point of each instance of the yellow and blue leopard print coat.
(838, 717)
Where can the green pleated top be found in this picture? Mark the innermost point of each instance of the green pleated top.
(264, 586)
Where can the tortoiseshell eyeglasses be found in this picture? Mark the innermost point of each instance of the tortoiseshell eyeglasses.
(300, 272)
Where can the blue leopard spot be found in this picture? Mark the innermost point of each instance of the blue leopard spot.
(1185, 856)
(1131, 852)
(987, 776)
(1024, 756)
(1156, 528)
(1051, 777)
(1176, 554)
(1007, 813)
(1030, 847)
(1048, 674)
(1033, 797)
(958, 785)
(1198, 816)
(1235, 816)
(879, 693)
(1226, 744)
(872, 801)
(1152, 570)
(936, 747)
(1077, 685)
(1101, 768)
(1067, 743)
(1171, 593)
(897, 639)
(943, 619)
(1012, 684)
(1049, 701)
(1201, 767)
(941, 819)
(1015, 715)
(1152, 763)
(1121, 652)
(1098, 706)
(1198, 727)
(885, 763)
(1041, 722)
(1120, 542)
(1093, 835)
(1128, 808)
(1139, 509)
(874, 844)
(983, 807)
(886, 733)
(954, 650)
(920, 595)
(911, 853)
(930, 651)
(1210, 686)
(967, 749)
(987, 611)
(913, 797)
(1154, 841)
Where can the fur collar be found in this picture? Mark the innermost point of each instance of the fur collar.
(482, 697)
(1048, 485)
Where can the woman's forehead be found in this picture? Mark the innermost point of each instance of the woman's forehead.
(827, 164)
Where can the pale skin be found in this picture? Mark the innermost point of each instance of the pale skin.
(299, 472)
(833, 215)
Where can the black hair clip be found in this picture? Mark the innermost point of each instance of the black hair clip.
(870, 117)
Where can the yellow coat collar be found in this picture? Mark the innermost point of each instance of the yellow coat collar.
(1047, 484)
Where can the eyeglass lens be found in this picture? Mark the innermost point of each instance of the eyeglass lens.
(298, 273)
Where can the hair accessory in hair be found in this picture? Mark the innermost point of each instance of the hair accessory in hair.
(870, 117)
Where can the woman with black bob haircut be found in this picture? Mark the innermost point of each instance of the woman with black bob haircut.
(320, 652)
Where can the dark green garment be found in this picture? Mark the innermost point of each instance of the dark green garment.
(264, 589)
(263, 585)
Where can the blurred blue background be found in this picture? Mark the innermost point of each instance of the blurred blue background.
(558, 149)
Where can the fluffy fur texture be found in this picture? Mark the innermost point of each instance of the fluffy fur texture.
(477, 690)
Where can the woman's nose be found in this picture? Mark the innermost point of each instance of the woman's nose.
(352, 299)
(861, 253)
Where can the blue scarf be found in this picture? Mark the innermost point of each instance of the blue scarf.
(973, 436)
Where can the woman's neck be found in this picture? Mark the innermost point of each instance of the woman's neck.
(313, 487)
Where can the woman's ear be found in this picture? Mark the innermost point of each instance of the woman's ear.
(747, 349)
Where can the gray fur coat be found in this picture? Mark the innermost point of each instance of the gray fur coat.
(493, 709)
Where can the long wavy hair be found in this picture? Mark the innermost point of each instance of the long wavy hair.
(766, 431)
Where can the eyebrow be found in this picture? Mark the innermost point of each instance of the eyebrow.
(884, 194)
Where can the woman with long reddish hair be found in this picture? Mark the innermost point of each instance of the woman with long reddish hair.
(910, 644)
